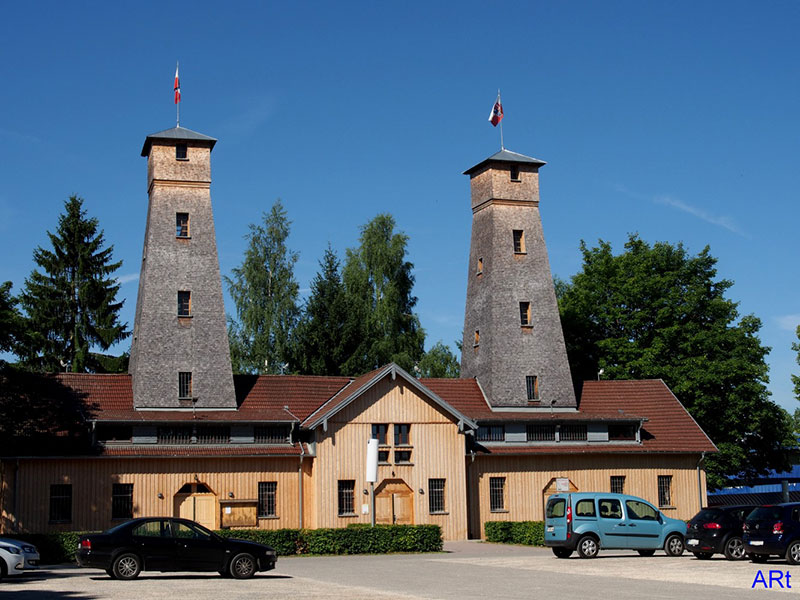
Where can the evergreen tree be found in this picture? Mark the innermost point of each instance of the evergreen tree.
(265, 293)
(11, 322)
(796, 378)
(655, 312)
(378, 282)
(439, 361)
(71, 304)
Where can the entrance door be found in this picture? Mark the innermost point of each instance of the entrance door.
(394, 503)
(197, 503)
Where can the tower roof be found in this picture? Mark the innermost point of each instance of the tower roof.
(506, 156)
(176, 133)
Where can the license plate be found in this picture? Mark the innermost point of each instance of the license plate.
(692, 542)
(550, 529)
(757, 543)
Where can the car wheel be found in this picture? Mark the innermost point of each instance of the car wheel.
(588, 547)
(734, 548)
(110, 573)
(2, 569)
(759, 558)
(673, 545)
(243, 566)
(127, 566)
(702, 555)
(646, 552)
(793, 553)
(562, 552)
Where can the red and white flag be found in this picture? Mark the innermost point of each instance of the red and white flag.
(177, 86)
(497, 111)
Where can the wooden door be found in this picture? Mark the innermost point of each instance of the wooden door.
(394, 503)
(196, 506)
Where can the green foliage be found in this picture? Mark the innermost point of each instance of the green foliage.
(528, 533)
(54, 548)
(12, 325)
(378, 281)
(71, 304)
(265, 294)
(796, 378)
(439, 361)
(286, 542)
(655, 312)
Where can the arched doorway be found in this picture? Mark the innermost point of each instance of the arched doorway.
(196, 502)
(394, 503)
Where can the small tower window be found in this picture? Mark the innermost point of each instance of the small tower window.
(185, 384)
(515, 173)
(184, 304)
(477, 338)
(479, 268)
(532, 385)
(525, 314)
(519, 241)
(182, 225)
(180, 152)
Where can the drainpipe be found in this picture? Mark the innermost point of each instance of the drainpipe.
(700, 482)
(300, 487)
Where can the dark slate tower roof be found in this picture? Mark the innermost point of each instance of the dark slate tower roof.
(505, 156)
(176, 133)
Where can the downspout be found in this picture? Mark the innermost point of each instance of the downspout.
(16, 494)
(300, 487)
(700, 482)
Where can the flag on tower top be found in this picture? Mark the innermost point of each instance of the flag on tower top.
(177, 86)
(497, 111)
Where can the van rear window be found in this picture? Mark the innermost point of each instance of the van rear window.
(555, 508)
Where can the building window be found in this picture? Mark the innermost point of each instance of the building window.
(515, 173)
(573, 433)
(182, 225)
(122, 501)
(114, 433)
(525, 314)
(347, 489)
(491, 433)
(618, 484)
(622, 432)
(61, 503)
(497, 494)
(214, 434)
(402, 456)
(379, 433)
(185, 384)
(436, 495)
(272, 434)
(540, 433)
(180, 151)
(477, 340)
(519, 241)
(174, 435)
(532, 387)
(665, 490)
(184, 304)
(479, 269)
(266, 498)
(401, 434)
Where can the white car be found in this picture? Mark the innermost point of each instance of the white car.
(25, 549)
(11, 561)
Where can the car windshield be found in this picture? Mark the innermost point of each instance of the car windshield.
(708, 514)
(765, 513)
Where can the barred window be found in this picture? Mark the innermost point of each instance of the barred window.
(532, 387)
(184, 384)
(491, 433)
(497, 496)
(525, 314)
(573, 433)
(379, 432)
(665, 490)
(266, 498)
(122, 501)
(174, 435)
(182, 225)
(60, 502)
(184, 303)
(540, 433)
(347, 488)
(272, 434)
(401, 434)
(618, 484)
(621, 432)
(436, 495)
(215, 434)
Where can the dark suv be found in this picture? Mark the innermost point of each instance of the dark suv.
(773, 531)
(718, 530)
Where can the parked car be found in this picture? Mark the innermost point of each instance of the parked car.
(718, 530)
(167, 544)
(11, 561)
(28, 551)
(773, 530)
(591, 521)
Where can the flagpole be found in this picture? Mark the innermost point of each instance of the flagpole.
(502, 147)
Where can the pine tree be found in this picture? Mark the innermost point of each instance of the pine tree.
(378, 281)
(71, 304)
(11, 322)
(796, 378)
(265, 294)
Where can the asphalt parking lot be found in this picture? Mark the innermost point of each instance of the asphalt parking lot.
(464, 570)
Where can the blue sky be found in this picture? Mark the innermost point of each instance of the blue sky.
(676, 120)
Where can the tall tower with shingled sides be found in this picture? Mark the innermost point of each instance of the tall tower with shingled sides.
(180, 356)
(513, 341)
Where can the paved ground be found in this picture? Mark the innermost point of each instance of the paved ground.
(465, 570)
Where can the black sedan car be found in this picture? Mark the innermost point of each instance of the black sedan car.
(718, 530)
(167, 544)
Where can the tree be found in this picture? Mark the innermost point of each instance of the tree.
(378, 282)
(71, 305)
(439, 361)
(11, 321)
(796, 378)
(324, 337)
(265, 293)
(656, 312)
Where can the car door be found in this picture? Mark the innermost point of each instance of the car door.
(154, 543)
(197, 548)
(644, 530)
(611, 523)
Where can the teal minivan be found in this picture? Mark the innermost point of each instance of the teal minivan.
(589, 521)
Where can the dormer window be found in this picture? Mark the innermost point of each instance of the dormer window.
(181, 152)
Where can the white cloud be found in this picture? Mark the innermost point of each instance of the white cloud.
(788, 322)
(123, 279)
